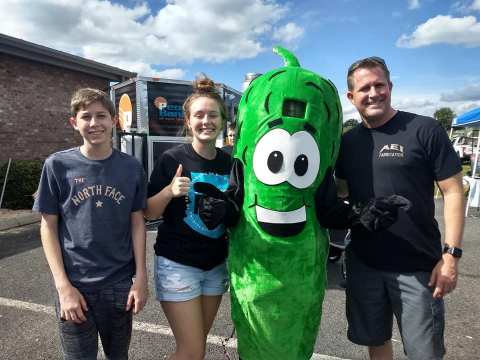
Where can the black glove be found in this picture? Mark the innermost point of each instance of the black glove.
(214, 206)
(379, 213)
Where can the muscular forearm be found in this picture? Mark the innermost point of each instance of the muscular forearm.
(453, 210)
(53, 253)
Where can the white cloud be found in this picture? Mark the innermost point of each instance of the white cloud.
(467, 106)
(288, 33)
(475, 6)
(413, 4)
(444, 29)
(136, 38)
(145, 69)
(468, 93)
(420, 103)
(465, 6)
(174, 73)
(349, 111)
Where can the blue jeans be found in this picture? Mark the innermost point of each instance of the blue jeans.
(106, 317)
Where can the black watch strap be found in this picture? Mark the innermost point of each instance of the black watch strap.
(454, 251)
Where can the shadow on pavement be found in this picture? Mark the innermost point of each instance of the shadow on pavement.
(19, 240)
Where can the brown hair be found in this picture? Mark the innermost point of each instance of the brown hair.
(86, 96)
(367, 63)
(204, 87)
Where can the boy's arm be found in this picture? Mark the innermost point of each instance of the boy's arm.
(139, 290)
(72, 303)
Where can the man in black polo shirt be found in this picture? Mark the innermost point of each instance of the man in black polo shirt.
(399, 271)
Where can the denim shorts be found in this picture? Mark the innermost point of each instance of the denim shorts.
(374, 297)
(177, 282)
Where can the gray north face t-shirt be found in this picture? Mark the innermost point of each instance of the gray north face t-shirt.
(94, 200)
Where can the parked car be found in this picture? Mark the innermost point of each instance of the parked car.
(464, 147)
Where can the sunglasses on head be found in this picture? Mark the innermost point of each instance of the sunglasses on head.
(374, 59)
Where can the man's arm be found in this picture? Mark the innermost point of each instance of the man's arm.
(139, 290)
(444, 275)
(72, 303)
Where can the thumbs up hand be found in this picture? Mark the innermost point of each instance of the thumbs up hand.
(180, 184)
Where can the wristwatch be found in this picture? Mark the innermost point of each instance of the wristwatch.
(454, 251)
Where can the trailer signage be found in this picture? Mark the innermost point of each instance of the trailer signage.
(171, 111)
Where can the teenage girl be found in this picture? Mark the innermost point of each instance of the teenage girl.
(190, 271)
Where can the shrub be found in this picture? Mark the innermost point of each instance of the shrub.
(22, 182)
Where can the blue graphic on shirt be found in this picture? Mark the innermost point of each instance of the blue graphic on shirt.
(192, 218)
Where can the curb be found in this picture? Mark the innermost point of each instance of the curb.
(20, 220)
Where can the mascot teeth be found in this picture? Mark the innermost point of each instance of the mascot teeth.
(281, 217)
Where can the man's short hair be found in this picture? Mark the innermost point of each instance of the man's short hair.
(367, 63)
(86, 96)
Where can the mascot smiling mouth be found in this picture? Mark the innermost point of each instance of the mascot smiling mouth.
(281, 223)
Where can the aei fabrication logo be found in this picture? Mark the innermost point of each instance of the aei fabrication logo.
(391, 150)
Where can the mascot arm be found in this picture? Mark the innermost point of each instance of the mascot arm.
(334, 213)
(234, 194)
(216, 207)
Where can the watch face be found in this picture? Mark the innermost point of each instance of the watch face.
(455, 252)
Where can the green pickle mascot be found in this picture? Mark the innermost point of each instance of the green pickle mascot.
(281, 192)
(289, 128)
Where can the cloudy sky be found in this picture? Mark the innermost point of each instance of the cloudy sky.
(431, 46)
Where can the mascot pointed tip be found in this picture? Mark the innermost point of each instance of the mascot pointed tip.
(288, 57)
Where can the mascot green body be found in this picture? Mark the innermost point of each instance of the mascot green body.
(288, 136)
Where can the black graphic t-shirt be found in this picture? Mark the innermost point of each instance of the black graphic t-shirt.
(94, 200)
(404, 157)
(183, 237)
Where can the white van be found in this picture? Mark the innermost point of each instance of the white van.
(464, 147)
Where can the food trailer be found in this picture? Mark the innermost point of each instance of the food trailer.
(151, 115)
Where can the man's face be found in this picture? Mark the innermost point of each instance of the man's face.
(371, 94)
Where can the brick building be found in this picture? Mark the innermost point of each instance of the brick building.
(36, 84)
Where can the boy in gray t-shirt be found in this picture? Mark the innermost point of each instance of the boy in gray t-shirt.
(91, 199)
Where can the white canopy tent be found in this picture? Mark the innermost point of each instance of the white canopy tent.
(471, 119)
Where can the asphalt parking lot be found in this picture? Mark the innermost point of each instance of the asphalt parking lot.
(28, 328)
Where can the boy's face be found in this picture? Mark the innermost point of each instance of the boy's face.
(95, 124)
(231, 136)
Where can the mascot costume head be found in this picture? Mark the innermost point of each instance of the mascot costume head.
(288, 136)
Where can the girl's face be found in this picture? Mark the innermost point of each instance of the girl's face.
(205, 121)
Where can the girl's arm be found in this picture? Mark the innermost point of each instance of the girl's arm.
(157, 203)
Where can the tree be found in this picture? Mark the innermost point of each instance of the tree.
(445, 116)
(349, 124)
